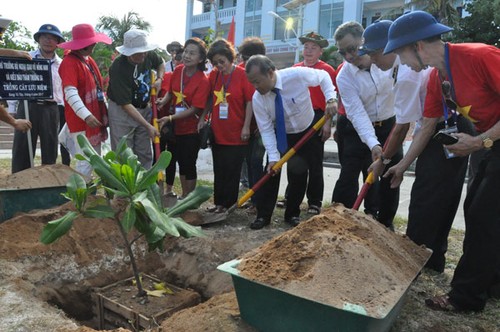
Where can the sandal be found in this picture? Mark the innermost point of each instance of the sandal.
(213, 209)
(281, 203)
(171, 194)
(441, 303)
(314, 210)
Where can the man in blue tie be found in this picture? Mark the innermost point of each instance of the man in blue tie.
(283, 111)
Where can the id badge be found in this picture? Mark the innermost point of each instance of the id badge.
(100, 95)
(223, 111)
(447, 152)
(179, 109)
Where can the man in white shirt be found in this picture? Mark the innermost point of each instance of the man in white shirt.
(292, 84)
(43, 114)
(368, 97)
(439, 189)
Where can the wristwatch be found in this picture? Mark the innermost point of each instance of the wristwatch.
(385, 161)
(487, 142)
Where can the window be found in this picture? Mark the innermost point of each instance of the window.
(252, 5)
(330, 17)
(252, 27)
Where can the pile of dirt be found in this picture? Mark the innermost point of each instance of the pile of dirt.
(46, 176)
(341, 256)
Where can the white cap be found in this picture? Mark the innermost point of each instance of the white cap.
(135, 41)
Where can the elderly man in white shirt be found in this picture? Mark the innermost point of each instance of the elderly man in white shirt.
(438, 180)
(368, 97)
(292, 85)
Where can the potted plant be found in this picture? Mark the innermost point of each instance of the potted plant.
(132, 198)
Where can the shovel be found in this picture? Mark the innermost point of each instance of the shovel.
(223, 216)
(156, 140)
(370, 179)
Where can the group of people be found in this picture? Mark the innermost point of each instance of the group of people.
(394, 74)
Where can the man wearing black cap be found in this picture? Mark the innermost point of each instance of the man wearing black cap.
(43, 114)
(173, 49)
(313, 48)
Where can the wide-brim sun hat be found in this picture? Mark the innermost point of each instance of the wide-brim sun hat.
(135, 41)
(83, 36)
(412, 27)
(51, 29)
(375, 37)
(315, 38)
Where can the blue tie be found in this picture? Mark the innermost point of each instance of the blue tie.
(280, 122)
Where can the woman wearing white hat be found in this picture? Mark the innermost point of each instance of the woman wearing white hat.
(129, 94)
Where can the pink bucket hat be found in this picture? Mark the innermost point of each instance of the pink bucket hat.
(83, 36)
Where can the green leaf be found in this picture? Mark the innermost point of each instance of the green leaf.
(154, 195)
(103, 169)
(57, 228)
(158, 218)
(86, 147)
(77, 190)
(129, 218)
(99, 211)
(151, 175)
(192, 201)
(128, 177)
(185, 229)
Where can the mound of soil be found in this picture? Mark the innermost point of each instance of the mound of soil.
(341, 256)
(45, 176)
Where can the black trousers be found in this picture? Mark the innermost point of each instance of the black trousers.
(227, 161)
(45, 125)
(381, 201)
(254, 159)
(297, 168)
(438, 184)
(479, 265)
(186, 150)
(315, 183)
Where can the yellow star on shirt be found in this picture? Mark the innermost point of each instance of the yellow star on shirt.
(220, 96)
(465, 112)
(179, 97)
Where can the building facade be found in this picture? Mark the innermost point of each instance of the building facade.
(279, 22)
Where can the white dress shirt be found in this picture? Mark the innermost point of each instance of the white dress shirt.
(57, 91)
(368, 96)
(410, 91)
(294, 84)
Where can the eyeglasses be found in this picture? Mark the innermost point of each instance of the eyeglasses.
(446, 88)
(350, 50)
(370, 51)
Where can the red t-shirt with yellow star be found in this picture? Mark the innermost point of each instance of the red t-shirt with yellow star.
(238, 92)
(317, 96)
(476, 78)
(194, 93)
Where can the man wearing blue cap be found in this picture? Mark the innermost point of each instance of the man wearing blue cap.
(425, 226)
(368, 97)
(43, 114)
(466, 78)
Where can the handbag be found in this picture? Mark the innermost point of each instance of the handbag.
(206, 135)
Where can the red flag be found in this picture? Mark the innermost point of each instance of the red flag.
(230, 34)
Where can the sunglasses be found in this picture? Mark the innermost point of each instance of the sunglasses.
(350, 50)
(446, 88)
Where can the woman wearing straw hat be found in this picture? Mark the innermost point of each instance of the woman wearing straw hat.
(129, 94)
(84, 106)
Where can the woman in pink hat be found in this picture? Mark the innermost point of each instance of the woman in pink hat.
(84, 105)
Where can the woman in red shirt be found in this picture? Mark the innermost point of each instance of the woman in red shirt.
(231, 116)
(189, 91)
